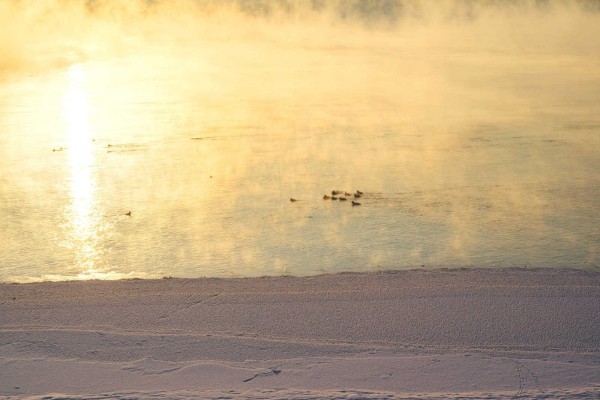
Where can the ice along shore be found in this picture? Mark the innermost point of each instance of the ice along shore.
(468, 333)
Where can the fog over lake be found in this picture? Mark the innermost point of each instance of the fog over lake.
(166, 138)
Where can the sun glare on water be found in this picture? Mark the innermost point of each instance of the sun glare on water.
(84, 224)
(473, 129)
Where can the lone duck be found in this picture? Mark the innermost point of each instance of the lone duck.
(354, 203)
(292, 199)
(128, 213)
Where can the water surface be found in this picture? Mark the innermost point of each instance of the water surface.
(471, 152)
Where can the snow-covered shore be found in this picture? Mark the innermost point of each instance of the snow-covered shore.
(469, 333)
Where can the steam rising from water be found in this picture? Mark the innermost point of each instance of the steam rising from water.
(462, 120)
(405, 61)
(38, 34)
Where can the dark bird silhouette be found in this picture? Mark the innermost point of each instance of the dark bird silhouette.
(354, 203)
(325, 197)
(343, 199)
(128, 213)
(292, 199)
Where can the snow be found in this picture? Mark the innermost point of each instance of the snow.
(468, 333)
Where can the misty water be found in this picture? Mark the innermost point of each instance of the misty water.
(476, 143)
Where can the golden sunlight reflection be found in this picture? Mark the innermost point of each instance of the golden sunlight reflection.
(84, 223)
(473, 129)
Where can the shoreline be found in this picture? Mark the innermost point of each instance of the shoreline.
(592, 269)
(462, 333)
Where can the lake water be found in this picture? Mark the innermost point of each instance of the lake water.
(472, 150)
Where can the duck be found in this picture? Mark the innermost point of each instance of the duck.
(292, 199)
(347, 194)
(325, 197)
(335, 192)
(128, 213)
(342, 199)
(334, 198)
(359, 192)
(357, 196)
(354, 203)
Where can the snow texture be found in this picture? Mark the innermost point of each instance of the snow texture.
(476, 333)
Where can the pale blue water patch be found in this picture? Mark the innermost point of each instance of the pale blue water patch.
(467, 158)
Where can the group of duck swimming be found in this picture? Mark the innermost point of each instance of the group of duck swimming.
(341, 196)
